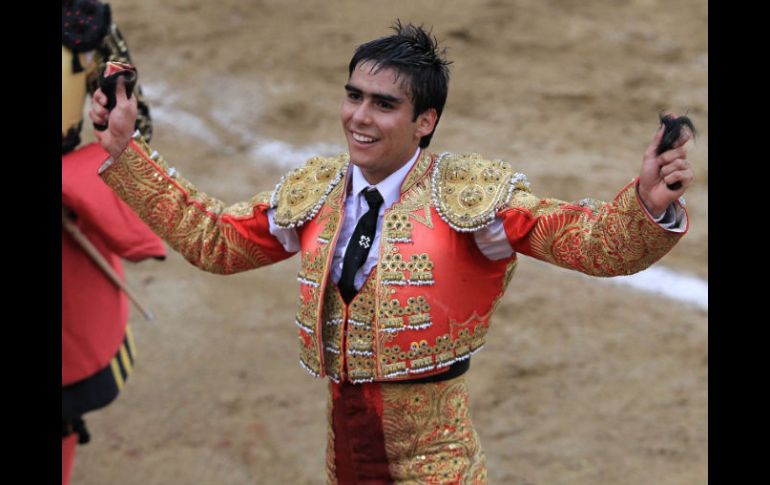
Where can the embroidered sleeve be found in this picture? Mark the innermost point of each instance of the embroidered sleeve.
(215, 238)
(590, 236)
(114, 48)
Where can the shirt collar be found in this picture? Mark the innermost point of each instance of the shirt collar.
(390, 187)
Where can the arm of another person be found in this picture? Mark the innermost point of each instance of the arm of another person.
(208, 234)
(606, 238)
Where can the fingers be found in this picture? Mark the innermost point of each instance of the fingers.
(98, 113)
(678, 170)
(99, 97)
(673, 154)
(679, 164)
(684, 137)
(130, 104)
(650, 151)
(120, 89)
(683, 176)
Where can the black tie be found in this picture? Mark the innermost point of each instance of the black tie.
(358, 247)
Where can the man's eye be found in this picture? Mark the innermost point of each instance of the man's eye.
(385, 105)
(353, 96)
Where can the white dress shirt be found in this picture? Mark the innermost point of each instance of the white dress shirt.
(492, 240)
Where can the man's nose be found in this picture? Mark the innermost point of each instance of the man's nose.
(362, 114)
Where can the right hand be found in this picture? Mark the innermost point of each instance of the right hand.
(121, 122)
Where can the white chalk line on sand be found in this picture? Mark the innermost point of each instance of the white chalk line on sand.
(232, 118)
(670, 283)
(657, 279)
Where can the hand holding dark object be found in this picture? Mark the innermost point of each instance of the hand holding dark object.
(120, 122)
(672, 131)
(108, 81)
(661, 170)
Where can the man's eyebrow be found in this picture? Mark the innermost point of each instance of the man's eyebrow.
(378, 96)
(350, 87)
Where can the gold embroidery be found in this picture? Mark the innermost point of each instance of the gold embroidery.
(420, 270)
(417, 313)
(360, 368)
(300, 195)
(246, 209)
(397, 227)
(392, 267)
(312, 268)
(360, 334)
(330, 227)
(600, 239)
(331, 466)
(418, 172)
(308, 358)
(188, 220)
(333, 313)
(429, 436)
(324, 352)
(305, 318)
(468, 190)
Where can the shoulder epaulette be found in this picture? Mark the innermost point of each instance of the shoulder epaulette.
(300, 194)
(468, 190)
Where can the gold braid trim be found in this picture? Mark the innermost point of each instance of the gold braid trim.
(190, 221)
(300, 194)
(594, 237)
(469, 190)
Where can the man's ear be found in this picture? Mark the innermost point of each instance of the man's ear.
(426, 122)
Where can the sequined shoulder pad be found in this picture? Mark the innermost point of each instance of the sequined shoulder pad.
(300, 194)
(469, 190)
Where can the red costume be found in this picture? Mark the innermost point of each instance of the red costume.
(426, 305)
(97, 346)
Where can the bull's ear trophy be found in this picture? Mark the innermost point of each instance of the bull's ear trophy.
(671, 133)
(108, 82)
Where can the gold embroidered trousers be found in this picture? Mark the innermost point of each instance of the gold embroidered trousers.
(381, 433)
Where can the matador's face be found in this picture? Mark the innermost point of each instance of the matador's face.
(377, 118)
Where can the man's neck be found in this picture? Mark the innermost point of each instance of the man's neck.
(389, 186)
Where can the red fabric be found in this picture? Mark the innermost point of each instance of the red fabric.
(94, 310)
(100, 212)
(68, 446)
(465, 287)
(359, 441)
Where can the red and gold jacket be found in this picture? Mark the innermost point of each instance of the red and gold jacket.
(428, 302)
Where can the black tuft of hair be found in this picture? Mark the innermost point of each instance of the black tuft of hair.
(416, 57)
(672, 131)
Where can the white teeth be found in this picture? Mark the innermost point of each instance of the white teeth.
(362, 138)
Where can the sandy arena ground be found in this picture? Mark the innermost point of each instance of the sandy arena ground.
(582, 382)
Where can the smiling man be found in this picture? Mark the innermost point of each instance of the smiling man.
(405, 254)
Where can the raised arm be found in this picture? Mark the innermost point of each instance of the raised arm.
(606, 238)
(114, 48)
(211, 236)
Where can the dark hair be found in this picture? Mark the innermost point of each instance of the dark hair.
(413, 53)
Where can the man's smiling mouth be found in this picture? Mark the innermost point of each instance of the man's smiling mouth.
(362, 138)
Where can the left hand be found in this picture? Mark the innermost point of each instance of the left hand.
(658, 171)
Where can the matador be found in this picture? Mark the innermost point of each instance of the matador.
(404, 253)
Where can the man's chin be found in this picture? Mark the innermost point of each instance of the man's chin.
(359, 157)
